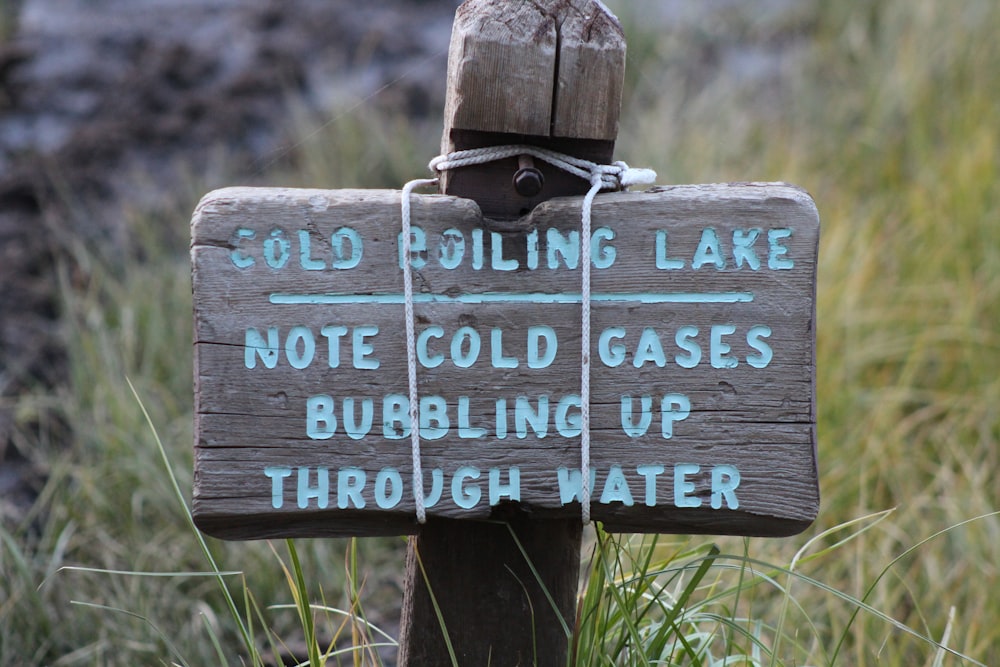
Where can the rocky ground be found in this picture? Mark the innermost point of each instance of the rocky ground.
(105, 105)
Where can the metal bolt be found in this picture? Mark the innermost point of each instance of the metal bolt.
(528, 180)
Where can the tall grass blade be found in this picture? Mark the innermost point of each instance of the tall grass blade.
(179, 495)
(437, 610)
(300, 593)
(166, 640)
(871, 588)
(538, 579)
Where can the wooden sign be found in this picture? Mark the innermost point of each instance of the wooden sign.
(703, 417)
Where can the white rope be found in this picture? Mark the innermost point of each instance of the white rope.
(411, 348)
(617, 176)
(588, 202)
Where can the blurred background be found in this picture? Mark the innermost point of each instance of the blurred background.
(116, 116)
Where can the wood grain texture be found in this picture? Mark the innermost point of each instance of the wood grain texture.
(501, 68)
(543, 72)
(489, 596)
(588, 93)
(535, 67)
(760, 421)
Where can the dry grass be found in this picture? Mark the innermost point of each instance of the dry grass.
(891, 120)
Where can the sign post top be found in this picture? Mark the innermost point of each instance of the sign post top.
(549, 68)
(547, 73)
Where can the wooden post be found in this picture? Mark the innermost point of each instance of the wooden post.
(702, 395)
(546, 73)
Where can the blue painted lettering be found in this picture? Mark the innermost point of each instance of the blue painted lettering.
(388, 488)
(426, 359)
(395, 417)
(674, 408)
(616, 488)
(300, 347)
(437, 488)
(567, 247)
(434, 423)
(254, 345)
(725, 480)
(692, 485)
(562, 249)
(649, 349)
(602, 255)
(465, 496)
(452, 249)
(465, 429)
(755, 340)
(357, 430)
(343, 260)
(569, 426)
(611, 355)
(663, 262)
(306, 260)
(418, 248)
(346, 245)
(743, 251)
(632, 429)
(496, 351)
(458, 356)
(320, 493)
(276, 249)
(277, 475)
(685, 340)
(350, 484)
(684, 488)
(571, 484)
(501, 406)
(497, 260)
(362, 349)
(649, 472)
(296, 359)
(465, 347)
(241, 260)
(321, 423)
(708, 251)
(777, 251)
(512, 489)
(333, 335)
(525, 415)
(477, 249)
(532, 241)
(712, 252)
(536, 334)
(719, 349)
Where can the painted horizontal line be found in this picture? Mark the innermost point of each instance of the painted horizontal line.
(511, 297)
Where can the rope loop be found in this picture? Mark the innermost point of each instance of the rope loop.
(411, 347)
(617, 176)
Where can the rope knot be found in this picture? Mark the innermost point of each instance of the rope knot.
(629, 176)
(617, 176)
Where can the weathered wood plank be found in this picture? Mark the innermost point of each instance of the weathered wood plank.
(730, 350)
(535, 67)
(543, 72)
(501, 68)
(588, 95)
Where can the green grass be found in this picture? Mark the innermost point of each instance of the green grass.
(893, 125)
